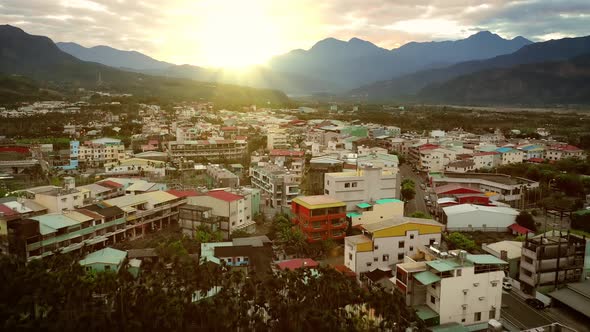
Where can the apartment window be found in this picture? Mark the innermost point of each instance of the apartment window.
(327, 192)
(354, 184)
(375, 259)
(401, 244)
(376, 247)
(492, 314)
(386, 257)
(229, 260)
(432, 241)
(107, 268)
(369, 263)
(328, 182)
(459, 272)
(238, 259)
(347, 185)
(432, 299)
(400, 256)
(477, 316)
(350, 256)
(411, 248)
(411, 236)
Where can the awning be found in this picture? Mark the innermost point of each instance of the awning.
(363, 205)
(426, 277)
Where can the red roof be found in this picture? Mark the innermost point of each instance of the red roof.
(565, 147)
(297, 263)
(224, 195)
(520, 229)
(184, 193)
(110, 184)
(344, 270)
(241, 138)
(286, 153)
(153, 142)
(18, 149)
(229, 128)
(348, 166)
(427, 147)
(7, 211)
(454, 188)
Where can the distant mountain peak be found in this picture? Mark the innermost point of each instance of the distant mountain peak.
(484, 35)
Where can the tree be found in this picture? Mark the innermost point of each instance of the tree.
(421, 214)
(408, 190)
(526, 220)
(458, 240)
(239, 233)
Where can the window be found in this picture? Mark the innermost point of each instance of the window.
(411, 248)
(401, 244)
(350, 256)
(376, 247)
(432, 241)
(459, 271)
(386, 257)
(369, 263)
(492, 314)
(229, 260)
(107, 268)
(411, 236)
(327, 192)
(238, 260)
(433, 286)
(400, 256)
(432, 299)
(347, 185)
(375, 259)
(477, 316)
(354, 184)
(462, 320)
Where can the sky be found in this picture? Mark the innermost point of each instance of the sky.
(244, 32)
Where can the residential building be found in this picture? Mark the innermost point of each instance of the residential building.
(551, 260)
(214, 150)
(366, 184)
(251, 254)
(97, 152)
(138, 187)
(58, 199)
(278, 186)
(472, 218)
(387, 162)
(453, 287)
(562, 151)
(486, 160)
(509, 156)
(319, 217)
(101, 190)
(220, 210)
(136, 166)
(532, 151)
(508, 251)
(318, 167)
(107, 259)
(461, 166)
(277, 140)
(386, 243)
(221, 177)
(370, 213)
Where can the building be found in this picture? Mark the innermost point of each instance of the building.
(561, 151)
(319, 217)
(251, 254)
(136, 166)
(551, 260)
(221, 177)
(98, 152)
(208, 150)
(148, 212)
(510, 156)
(318, 167)
(461, 166)
(471, 218)
(370, 213)
(486, 160)
(220, 210)
(278, 185)
(387, 162)
(104, 260)
(366, 184)
(508, 251)
(101, 190)
(58, 199)
(453, 287)
(386, 243)
(277, 140)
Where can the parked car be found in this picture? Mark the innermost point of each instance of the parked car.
(535, 303)
(506, 285)
(422, 186)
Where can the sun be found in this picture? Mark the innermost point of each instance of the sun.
(237, 34)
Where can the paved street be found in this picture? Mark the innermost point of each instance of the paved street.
(417, 204)
(520, 315)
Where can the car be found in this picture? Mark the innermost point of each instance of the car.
(422, 186)
(535, 303)
(507, 286)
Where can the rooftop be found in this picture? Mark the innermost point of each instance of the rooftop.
(469, 208)
(513, 248)
(498, 178)
(293, 264)
(153, 197)
(318, 201)
(106, 255)
(224, 195)
(398, 220)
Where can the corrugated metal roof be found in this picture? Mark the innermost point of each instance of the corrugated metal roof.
(485, 259)
(467, 208)
(106, 255)
(443, 265)
(153, 197)
(56, 220)
(388, 200)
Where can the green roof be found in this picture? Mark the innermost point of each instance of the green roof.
(443, 266)
(387, 200)
(582, 212)
(106, 255)
(364, 205)
(424, 312)
(426, 277)
(353, 214)
(485, 259)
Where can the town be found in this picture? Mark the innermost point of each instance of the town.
(392, 224)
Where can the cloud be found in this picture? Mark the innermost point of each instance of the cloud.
(166, 29)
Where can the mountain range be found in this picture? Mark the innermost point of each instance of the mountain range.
(331, 65)
(38, 58)
(411, 84)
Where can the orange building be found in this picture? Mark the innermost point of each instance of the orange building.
(320, 217)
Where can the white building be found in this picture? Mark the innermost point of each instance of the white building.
(277, 140)
(58, 199)
(510, 156)
(485, 160)
(366, 184)
(453, 287)
(384, 244)
(471, 217)
(100, 151)
(382, 209)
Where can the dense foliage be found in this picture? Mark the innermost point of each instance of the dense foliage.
(408, 190)
(58, 295)
(458, 240)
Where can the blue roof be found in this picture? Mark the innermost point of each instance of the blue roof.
(504, 150)
(387, 200)
(364, 205)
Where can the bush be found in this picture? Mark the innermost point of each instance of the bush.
(458, 240)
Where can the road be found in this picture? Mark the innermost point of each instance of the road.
(417, 204)
(520, 315)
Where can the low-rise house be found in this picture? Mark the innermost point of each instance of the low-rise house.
(221, 177)
(385, 243)
(562, 151)
(58, 199)
(136, 166)
(104, 260)
(486, 160)
(510, 155)
(461, 166)
(370, 213)
(141, 187)
(508, 251)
